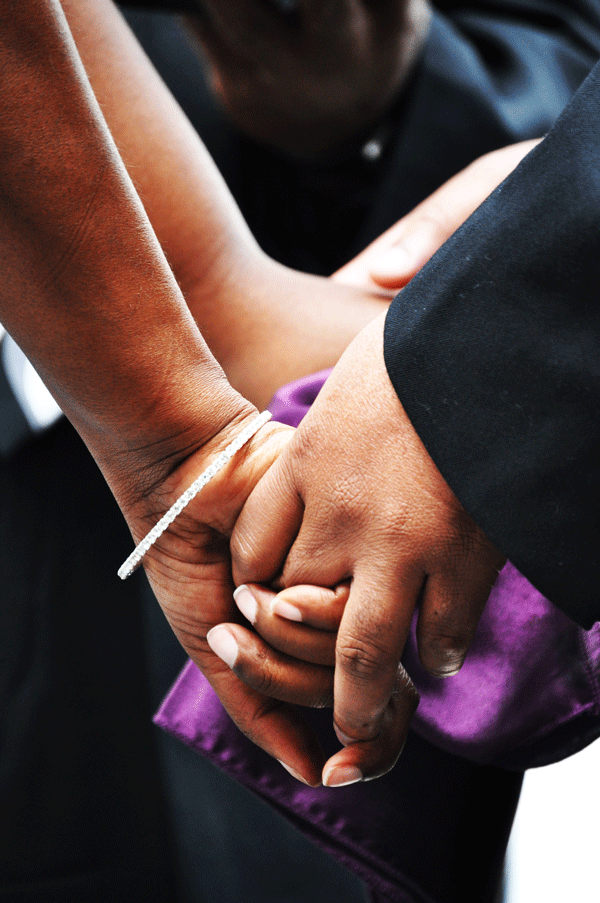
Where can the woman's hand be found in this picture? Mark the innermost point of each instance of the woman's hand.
(190, 574)
(391, 261)
(290, 655)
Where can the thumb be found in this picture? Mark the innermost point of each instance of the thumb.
(266, 527)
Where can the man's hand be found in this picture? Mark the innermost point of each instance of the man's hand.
(306, 80)
(355, 496)
(294, 661)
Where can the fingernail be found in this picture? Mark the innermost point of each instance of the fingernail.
(447, 671)
(223, 643)
(246, 602)
(293, 773)
(452, 664)
(285, 610)
(393, 262)
(411, 254)
(341, 776)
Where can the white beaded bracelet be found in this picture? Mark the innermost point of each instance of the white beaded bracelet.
(134, 560)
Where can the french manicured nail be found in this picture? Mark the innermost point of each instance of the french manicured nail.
(223, 643)
(293, 773)
(285, 610)
(246, 602)
(341, 776)
(392, 263)
(415, 248)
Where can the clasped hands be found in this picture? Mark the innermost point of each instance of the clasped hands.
(352, 523)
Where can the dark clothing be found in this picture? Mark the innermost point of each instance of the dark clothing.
(96, 804)
(494, 350)
(91, 806)
(491, 73)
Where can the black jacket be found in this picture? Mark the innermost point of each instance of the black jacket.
(494, 350)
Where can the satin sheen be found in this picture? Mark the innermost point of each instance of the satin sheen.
(527, 695)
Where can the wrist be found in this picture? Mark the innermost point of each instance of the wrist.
(219, 463)
(148, 461)
(193, 511)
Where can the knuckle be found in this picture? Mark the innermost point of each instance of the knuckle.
(362, 658)
(245, 557)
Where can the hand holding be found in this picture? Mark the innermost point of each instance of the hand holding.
(189, 571)
(355, 496)
(290, 655)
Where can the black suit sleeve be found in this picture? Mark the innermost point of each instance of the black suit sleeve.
(494, 350)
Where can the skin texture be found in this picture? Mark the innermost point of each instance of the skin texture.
(88, 295)
(374, 510)
(265, 324)
(317, 613)
(309, 80)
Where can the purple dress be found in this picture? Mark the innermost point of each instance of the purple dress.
(527, 695)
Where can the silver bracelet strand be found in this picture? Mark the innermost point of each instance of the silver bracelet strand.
(134, 560)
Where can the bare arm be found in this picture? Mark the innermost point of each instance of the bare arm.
(85, 304)
(265, 323)
(88, 294)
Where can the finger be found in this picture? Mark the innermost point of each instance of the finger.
(418, 235)
(267, 527)
(290, 637)
(274, 726)
(314, 606)
(452, 604)
(370, 759)
(421, 237)
(395, 257)
(269, 672)
(370, 641)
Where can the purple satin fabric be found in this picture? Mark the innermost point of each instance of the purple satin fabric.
(527, 695)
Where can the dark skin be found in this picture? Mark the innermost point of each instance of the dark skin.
(89, 296)
(456, 582)
(247, 305)
(265, 324)
(306, 81)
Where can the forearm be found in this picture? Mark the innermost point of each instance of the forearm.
(86, 289)
(249, 308)
(191, 210)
